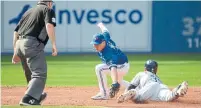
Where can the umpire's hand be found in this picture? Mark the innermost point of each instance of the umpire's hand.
(16, 59)
(54, 50)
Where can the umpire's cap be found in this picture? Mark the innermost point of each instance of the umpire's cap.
(97, 39)
(151, 65)
(45, 1)
(42, 1)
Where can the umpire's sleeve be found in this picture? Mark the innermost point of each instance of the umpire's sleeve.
(50, 16)
(18, 25)
(17, 28)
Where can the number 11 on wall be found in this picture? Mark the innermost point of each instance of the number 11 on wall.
(193, 42)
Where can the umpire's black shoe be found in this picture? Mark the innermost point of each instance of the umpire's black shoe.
(114, 90)
(43, 97)
(28, 100)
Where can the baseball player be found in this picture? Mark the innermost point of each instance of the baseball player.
(114, 63)
(147, 86)
(30, 37)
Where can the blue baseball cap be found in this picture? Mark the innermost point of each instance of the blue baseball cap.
(97, 39)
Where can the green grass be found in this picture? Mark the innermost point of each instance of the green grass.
(78, 70)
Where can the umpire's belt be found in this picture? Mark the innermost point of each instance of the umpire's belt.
(27, 37)
(31, 37)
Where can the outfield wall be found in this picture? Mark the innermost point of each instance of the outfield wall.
(176, 27)
(144, 26)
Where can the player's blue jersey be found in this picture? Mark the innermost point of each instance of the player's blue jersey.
(111, 55)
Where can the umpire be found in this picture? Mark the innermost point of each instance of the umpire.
(30, 37)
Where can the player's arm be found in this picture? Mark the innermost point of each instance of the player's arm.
(114, 74)
(50, 23)
(113, 69)
(102, 27)
(104, 30)
(135, 82)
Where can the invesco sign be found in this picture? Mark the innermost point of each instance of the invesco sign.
(92, 16)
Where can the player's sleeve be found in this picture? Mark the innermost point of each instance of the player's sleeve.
(114, 61)
(136, 80)
(50, 16)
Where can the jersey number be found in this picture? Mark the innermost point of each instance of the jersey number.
(155, 79)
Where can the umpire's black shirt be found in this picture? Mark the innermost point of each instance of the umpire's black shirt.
(33, 22)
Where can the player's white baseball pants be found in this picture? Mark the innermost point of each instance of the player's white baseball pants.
(103, 69)
(154, 91)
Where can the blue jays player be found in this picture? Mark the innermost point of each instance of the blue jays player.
(147, 86)
(114, 63)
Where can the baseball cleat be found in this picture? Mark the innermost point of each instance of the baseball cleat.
(100, 96)
(28, 100)
(181, 90)
(43, 97)
(126, 96)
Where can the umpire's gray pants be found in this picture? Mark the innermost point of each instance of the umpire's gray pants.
(25, 67)
(33, 52)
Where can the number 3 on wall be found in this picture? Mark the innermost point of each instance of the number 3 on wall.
(189, 26)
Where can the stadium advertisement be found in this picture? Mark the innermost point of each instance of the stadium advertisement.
(135, 26)
(128, 22)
